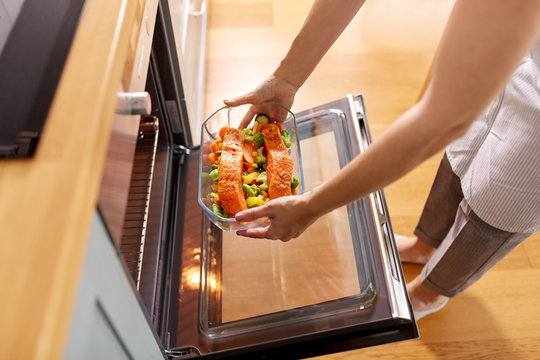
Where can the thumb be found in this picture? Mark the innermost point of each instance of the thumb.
(240, 100)
(252, 214)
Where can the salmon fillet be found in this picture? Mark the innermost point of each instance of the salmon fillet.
(230, 172)
(279, 168)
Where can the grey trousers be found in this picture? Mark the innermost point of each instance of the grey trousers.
(467, 247)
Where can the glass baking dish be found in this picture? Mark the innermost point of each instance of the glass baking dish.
(232, 117)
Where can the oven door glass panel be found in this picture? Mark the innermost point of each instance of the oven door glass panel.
(254, 284)
(337, 287)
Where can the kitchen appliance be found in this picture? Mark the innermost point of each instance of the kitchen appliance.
(35, 37)
(211, 294)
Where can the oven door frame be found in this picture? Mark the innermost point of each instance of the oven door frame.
(397, 322)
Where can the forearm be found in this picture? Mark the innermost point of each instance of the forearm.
(400, 149)
(477, 56)
(325, 22)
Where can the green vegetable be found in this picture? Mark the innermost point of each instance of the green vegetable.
(261, 160)
(259, 139)
(286, 138)
(214, 174)
(294, 183)
(262, 179)
(248, 132)
(262, 119)
(218, 210)
(214, 166)
(251, 191)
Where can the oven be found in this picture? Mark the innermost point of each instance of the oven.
(205, 293)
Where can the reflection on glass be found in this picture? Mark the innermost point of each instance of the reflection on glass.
(261, 277)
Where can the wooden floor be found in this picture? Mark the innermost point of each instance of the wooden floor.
(384, 54)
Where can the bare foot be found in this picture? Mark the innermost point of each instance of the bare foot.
(424, 301)
(412, 250)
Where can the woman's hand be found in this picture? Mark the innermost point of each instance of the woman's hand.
(289, 217)
(272, 89)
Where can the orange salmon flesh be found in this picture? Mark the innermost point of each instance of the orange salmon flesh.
(279, 168)
(230, 172)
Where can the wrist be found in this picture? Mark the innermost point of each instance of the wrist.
(288, 77)
(313, 207)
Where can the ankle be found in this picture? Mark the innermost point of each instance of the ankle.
(424, 249)
(411, 249)
(421, 297)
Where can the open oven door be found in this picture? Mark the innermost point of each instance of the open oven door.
(339, 286)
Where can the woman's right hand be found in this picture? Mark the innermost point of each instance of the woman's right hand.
(272, 89)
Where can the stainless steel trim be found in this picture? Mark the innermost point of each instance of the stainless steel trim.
(398, 299)
(133, 103)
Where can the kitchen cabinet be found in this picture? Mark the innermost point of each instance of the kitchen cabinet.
(108, 321)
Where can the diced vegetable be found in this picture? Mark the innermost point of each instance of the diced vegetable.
(286, 138)
(254, 201)
(248, 179)
(259, 140)
(261, 160)
(222, 131)
(262, 177)
(250, 191)
(216, 145)
(262, 119)
(294, 183)
(263, 181)
(214, 175)
(213, 158)
(218, 210)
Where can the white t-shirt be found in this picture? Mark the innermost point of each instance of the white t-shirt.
(498, 159)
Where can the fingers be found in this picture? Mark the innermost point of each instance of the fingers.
(240, 100)
(253, 214)
(257, 233)
(247, 118)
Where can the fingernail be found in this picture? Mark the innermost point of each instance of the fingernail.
(239, 216)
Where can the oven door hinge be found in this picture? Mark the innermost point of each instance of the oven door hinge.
(183, 353)
(181, 151)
